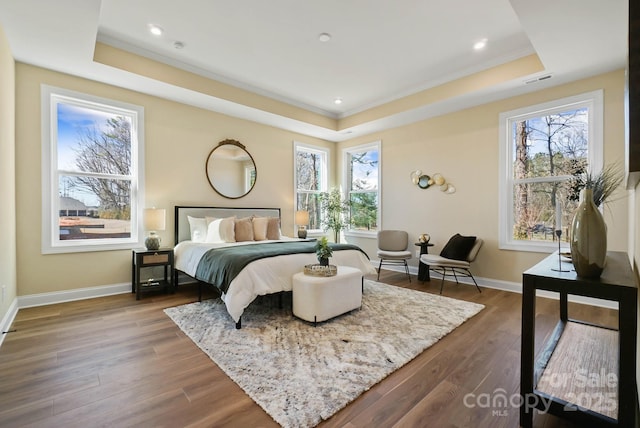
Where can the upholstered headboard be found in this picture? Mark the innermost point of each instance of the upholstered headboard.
(182, 230)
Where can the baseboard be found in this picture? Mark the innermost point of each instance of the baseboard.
(7, 320)
(514, 287)
(42, 299)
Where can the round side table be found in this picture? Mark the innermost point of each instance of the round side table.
(423, 270)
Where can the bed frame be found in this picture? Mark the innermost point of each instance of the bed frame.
(183, 231)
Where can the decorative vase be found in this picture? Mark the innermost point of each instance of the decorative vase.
(324, 261)
(588, 238)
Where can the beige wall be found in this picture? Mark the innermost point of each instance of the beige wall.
(463, 146)
(178, 141)
(7, 177)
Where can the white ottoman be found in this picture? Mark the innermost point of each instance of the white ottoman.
(318, 298)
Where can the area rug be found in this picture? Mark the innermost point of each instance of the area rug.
(301, 374)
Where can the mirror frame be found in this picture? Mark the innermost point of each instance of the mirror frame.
(423, 181)
(206, 167)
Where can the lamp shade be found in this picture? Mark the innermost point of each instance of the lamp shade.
(302, 218)
(154, 219)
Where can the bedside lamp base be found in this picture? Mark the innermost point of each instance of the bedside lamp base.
(152, 242)
(302, 233)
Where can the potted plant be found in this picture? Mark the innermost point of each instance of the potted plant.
(323, 251)
(602, 184)
(335, 212)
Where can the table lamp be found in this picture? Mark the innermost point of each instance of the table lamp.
(302, 220)
(154, 220)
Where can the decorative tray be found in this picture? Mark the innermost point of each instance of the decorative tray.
(319, 270)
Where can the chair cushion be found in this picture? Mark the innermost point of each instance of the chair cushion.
(458, 247)
(400, 255)
(435, 260)
(393, 240)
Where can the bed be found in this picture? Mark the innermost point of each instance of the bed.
(247, 268)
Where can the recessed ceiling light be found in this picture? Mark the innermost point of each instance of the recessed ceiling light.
(155, 30)
(480, 44)
(338, 101)
(324, 37)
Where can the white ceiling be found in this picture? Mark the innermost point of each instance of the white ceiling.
(380, 50)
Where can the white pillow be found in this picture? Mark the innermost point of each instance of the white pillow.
(198, 228)
(221, 230)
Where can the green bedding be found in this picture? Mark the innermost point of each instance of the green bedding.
(219, 266)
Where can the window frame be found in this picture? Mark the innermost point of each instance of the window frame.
(324, 183)
(346, 185)
(50, 242)
(593, 101)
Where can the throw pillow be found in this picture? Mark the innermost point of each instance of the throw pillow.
(260, 225)
(213, 231)
(244, 229)
(458, 247)
(227, 229)
(220, 230)
(198, 227)
(273, 228)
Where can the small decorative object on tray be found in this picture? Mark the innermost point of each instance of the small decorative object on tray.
(320, 270)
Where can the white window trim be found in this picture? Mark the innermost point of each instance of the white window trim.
(325, 180)
(248, 170)
(50, 243)
(594, 101)
(346, 185)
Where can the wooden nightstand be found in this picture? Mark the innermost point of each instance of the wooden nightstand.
(143, 258)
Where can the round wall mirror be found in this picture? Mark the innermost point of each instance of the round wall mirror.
(231, 170)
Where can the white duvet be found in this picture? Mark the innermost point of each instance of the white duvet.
(264, 276)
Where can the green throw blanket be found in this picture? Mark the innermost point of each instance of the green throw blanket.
(219, 266)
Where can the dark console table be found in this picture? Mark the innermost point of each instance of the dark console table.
(605, 364)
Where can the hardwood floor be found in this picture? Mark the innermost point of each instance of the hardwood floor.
(115, 361)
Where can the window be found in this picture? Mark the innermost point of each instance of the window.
(311, 179)
(91, 172)
(362, 186)
(542, 148)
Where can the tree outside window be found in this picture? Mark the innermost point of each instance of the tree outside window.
(92, 153)
(311, 178)
(363, 167)
(546, 150)
(550, 150)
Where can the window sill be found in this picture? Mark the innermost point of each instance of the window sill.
(534, 247)
(84, 248)
(362, 234)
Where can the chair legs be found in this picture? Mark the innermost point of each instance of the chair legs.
(406, 267)
(465, 272)
(474, 281)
